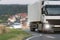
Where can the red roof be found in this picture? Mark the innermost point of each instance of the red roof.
(23, 14)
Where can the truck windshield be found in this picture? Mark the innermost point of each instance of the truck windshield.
(53, 10)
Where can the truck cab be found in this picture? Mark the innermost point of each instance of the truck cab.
(51, 16)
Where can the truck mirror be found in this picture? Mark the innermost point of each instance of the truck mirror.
(42, 2)
(42, 10)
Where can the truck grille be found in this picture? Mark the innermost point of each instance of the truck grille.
(54, 22)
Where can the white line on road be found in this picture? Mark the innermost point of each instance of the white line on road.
(34, 37)
(40, 34)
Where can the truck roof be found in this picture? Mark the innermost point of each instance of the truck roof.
(51, 2)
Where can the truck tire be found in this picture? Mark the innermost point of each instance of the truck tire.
(32, 29)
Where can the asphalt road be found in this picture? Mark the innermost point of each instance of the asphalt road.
(44, 36)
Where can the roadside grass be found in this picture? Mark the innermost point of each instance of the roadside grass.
(14, 34)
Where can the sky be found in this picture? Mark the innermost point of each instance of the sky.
(18, 1)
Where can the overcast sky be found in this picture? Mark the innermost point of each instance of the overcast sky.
(17, 1)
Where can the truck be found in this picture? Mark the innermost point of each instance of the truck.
(44, 16)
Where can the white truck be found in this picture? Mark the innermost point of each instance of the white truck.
(44, 16)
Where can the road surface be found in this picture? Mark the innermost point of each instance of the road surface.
(46, 37)
(43, 36)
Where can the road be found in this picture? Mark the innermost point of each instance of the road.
(47, 37)
(43, 36)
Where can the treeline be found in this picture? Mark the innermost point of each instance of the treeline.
(12, 9)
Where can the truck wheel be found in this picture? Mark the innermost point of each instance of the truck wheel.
(32, 29)
(39, 31)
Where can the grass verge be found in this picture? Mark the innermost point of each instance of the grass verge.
(14, 34)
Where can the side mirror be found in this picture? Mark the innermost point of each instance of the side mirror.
(43, 11)
(42, 2)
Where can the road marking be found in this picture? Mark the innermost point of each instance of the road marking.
(48, 36)
(34, 37)
(40, 34)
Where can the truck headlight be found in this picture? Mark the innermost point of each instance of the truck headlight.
(47, 26)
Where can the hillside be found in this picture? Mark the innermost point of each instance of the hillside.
(12, 9)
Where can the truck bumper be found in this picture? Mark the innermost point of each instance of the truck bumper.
(56, 28)
(51, 28)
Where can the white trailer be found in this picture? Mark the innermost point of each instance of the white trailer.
(44, 16)
(34, 15)
(34, 12)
